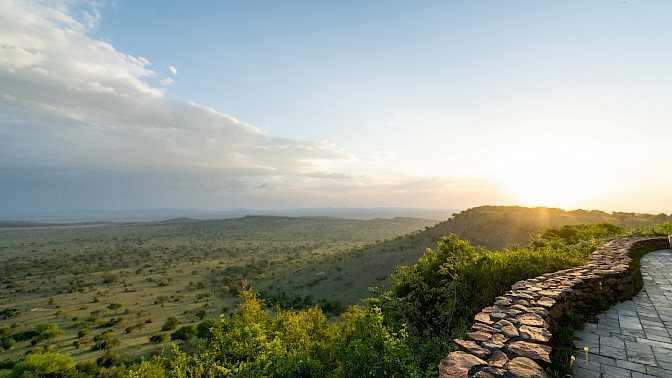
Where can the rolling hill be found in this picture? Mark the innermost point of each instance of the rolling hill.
(346, 278)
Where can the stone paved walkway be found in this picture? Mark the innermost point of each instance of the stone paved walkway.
(634, 338)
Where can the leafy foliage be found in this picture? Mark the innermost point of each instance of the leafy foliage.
(204, 328)
(288, 343)
(46, 331)
(439, 295)
(115, 306)
(43, 365)
(574, 234)
(662, 229)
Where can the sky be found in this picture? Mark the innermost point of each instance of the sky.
(288, 104)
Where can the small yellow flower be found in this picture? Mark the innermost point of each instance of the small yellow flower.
(571, 360)
(585, 349)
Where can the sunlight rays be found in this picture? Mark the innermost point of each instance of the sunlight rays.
(564, 175)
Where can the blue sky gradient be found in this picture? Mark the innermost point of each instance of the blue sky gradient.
(261, 104)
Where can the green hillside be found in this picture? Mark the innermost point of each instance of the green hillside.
(345, 278)
(495, 227)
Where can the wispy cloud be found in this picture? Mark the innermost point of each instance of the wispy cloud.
(71, 100)
(73, 103)
(167, 81)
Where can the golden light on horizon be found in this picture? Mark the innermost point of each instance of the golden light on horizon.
(554, 175)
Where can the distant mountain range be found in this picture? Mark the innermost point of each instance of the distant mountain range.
(165, 214)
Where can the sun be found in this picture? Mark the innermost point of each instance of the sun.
(552, 175)
(538, 188)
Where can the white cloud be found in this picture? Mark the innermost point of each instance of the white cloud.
(82, 103)
(80, 127)
(91, 18)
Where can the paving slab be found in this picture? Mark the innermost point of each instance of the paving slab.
(634, 338)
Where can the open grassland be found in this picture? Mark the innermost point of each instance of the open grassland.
(123, 281)
(106, 292)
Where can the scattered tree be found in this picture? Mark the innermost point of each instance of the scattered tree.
(105, 340)
(46, 331)
(115, 306)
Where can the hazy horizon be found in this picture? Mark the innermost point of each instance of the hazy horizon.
(134, 215)
(436, 105)
(154, 214)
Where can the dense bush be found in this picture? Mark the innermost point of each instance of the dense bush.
(287, 343)
(204, 329)
(44, 365)
(184, 333)
(438, 296)
(575, 234)
(663, 229)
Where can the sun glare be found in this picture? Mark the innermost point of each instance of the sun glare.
(564, 176)
(551, 191)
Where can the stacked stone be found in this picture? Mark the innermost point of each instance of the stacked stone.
(512, 337)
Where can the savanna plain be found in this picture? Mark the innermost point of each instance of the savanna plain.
(110, 295)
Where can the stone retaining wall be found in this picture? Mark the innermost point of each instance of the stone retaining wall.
(512, 337)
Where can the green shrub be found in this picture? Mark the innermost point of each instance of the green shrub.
(287, 343)
(158, 338)
(204, 328)
(170, 324)
(7, 343)
(43, 364)
(111, 323)
(46, 331)
(25, 335)
(185, 333)
(105, 340)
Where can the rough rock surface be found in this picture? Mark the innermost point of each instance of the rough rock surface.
(473, 348)
(525, 367)
(514, 334)
(498, 359)
(535, 334)
(536, 352)
(459, 364)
